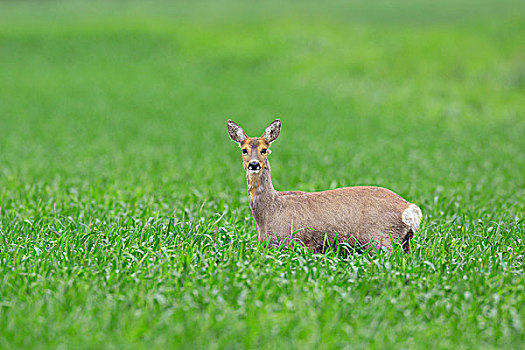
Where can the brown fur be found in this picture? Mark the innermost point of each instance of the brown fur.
(254, 146)
(318, 220)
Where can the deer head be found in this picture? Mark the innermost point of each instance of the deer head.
(255, 150)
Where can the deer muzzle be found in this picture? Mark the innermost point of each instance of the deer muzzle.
(254, 166)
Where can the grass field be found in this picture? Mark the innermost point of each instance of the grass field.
(124, 219)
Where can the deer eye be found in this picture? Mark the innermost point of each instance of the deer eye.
(244, 151)
(263, 151)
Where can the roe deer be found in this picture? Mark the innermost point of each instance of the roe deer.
(360, 214)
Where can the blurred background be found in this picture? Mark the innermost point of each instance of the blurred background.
(124, 219)
(418, 96)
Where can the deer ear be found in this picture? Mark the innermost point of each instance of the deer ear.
(237, 134)
(272, 131)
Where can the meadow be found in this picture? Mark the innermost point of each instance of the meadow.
(124, 218)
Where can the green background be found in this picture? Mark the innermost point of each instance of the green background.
(124, 220)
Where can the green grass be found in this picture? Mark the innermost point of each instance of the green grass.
(124, 220)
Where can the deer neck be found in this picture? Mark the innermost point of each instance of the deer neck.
(261, 193)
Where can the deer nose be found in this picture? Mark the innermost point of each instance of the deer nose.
(254, 165)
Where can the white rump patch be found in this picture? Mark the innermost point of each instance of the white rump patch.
(412, 217)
